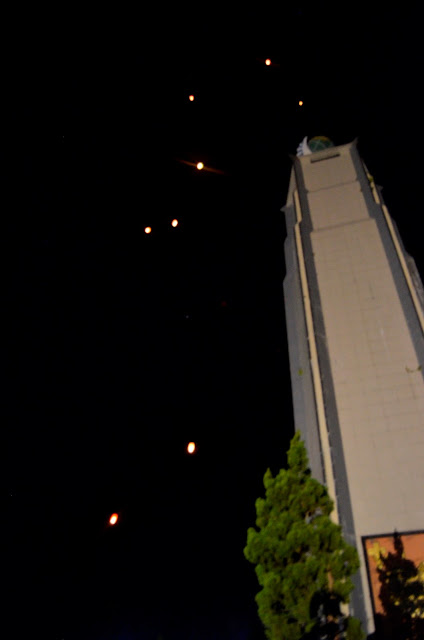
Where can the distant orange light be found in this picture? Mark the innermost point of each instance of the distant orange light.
(174, 223)
(191, 447)
(113, 518)
(300, 103)
(200, 165)
(267, 62)
(148, 230)
(191, 98)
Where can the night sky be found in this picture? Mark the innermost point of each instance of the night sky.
(118, 347)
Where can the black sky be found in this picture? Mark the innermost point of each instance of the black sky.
(120, 347)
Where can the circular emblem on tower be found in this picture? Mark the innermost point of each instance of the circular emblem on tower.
(317, 143)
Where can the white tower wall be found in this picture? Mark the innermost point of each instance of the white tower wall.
(367, 322)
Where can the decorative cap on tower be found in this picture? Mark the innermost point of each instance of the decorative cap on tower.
(317, 143)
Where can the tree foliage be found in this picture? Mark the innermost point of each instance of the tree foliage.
(302, 562)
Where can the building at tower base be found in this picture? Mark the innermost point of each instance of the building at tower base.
(355, 325)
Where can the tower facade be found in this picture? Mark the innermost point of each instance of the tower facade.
(355, 322)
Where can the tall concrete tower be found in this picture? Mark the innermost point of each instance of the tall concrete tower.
(355, 322)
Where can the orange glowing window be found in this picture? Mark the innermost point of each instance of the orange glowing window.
(200, 165)
(113, 518)
(191, 447)
(267, 62)
(174, 223)
(148, 230)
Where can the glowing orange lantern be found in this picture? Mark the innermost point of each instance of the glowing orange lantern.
(148, 230)
(267, 62)
(200, 165)
(113, 519)
(191, 447)
(174, 223)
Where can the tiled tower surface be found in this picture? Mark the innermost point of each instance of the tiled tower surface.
(355, 324)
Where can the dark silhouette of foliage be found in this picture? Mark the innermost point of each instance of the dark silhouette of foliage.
(402, 596)
(302, 562)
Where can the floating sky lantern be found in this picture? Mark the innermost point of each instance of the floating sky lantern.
(191, 447)
(113, 519)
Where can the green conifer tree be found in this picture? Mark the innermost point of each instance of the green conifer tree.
(302, 562)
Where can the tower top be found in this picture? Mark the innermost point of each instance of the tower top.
(317, 143)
